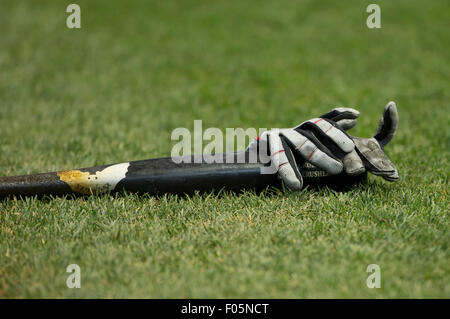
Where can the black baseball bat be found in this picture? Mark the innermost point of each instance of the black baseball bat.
(163, 175)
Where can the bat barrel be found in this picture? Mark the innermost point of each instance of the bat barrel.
(161, 176)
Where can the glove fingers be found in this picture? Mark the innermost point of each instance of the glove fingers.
(312, 152)
(353, 164)
(323, 161)
(388, 125)
(375, 160)
(340, 113)
(346, 124)
(283, 161)
(392, 177)
(326, 131)
(292, 163)
(371, 150)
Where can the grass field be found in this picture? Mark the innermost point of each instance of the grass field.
(115, 89)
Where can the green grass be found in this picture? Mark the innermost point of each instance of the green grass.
(114, 91)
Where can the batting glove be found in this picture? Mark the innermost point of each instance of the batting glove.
(322, 142)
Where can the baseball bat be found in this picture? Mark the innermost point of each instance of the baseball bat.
(163, 175)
